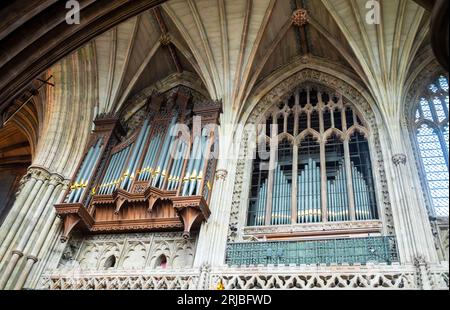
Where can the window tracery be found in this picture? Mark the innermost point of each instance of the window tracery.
(320, 165)
(431, 135)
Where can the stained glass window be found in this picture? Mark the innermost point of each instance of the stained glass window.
(432, 141)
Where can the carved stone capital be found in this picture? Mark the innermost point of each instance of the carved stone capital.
(221, 174)
(165, 39)
(420, 261)
(56, 179)
(39, 173)
(399, 159)
(17, 252)
(33, 258)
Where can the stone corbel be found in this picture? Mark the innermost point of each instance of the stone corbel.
(399, 159)
(192, 211)
(221, 174)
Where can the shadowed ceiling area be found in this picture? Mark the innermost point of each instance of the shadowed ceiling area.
(34, 35)
(229, 50)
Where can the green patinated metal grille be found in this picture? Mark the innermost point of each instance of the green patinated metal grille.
(332, 251)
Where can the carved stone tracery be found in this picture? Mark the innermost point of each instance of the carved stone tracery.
(279, 94)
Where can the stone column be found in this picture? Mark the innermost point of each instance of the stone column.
(213, 234)
(44, 234)
(29, 225)
(18, 214)
(413, 230)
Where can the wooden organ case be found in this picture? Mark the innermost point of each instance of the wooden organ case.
(158, 179)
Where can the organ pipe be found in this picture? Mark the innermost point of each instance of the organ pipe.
(149, 161)
(164, 157)
(85, 173)
(362, 198)
(175, 174)
(281, 199)
(135, 156)
(337, 196)
(309, 193)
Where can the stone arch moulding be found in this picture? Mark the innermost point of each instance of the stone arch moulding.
(350, 95)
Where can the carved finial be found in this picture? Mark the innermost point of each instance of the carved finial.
(165, 39)
(300, 18)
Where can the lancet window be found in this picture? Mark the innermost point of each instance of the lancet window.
(431, 128)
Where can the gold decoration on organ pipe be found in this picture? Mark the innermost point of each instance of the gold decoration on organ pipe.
(107, 131)
(86, 170)
(136, 153)
(160, 170)
(308, 204)
(134, 182)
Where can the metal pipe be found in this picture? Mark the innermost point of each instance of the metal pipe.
(163, 158)
(302, 197)
(283, 195)
(107, 174)
(259, 206)
(201, 166)
(358, 205)
(343, 194)
(84, 176)
(280, 197)
(357, 202)
(108, 184)
(112, 179)
(345, 205)
(361, 197)
(147, 161)
(318, 193)
(120, 170)
(342, 188)
(176, 174)
(90, 169)
(285, 199)
(188, 173)
(196, 166)
(152, 157)
(135, 155)
(173, 170)
(288, 202)
(276, 193)
(365, 198)
(313, 191)
(330, 210)
(263, 205)
(309, 191)
(80, 173)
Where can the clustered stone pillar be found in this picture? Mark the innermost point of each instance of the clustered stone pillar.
(28, 225)
(212, 241)
(413, 228)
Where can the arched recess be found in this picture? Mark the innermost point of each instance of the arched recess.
(280, 91)
(18, 140)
